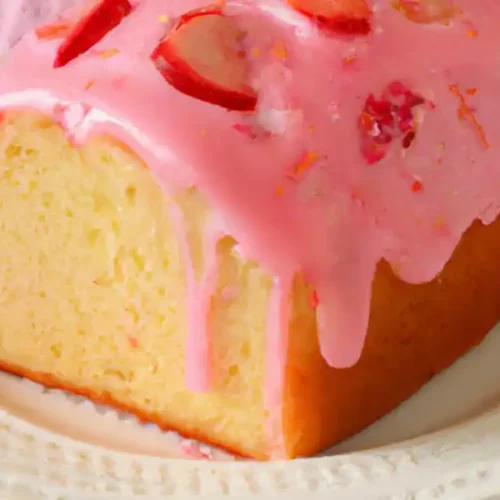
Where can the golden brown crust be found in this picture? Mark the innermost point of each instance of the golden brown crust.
(415, 332)
(52, 382)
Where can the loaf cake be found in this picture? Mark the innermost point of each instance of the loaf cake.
(263, 224)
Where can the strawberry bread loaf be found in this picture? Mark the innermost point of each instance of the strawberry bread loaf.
(261, 223)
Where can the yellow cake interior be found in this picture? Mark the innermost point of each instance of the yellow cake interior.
(93, 287)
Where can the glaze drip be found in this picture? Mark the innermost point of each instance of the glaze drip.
(202, 274)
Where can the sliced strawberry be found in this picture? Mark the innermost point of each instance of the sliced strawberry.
(351, 17)
(96, 21)
(202, 57)
(427, 11)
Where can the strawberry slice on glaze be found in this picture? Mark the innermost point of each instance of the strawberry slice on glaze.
(350, 17)
(96, 20)
(201, 56)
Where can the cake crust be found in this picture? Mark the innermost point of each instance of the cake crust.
(106, 398)
(416, 331)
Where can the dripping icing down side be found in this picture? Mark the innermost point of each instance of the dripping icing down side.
(278, 324)
(334, 216)
(201, 280)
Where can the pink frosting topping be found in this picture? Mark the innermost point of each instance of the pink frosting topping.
(378, 146)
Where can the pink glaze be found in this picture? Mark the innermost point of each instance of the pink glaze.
(334, 221)
(200, 290)
(275, 362)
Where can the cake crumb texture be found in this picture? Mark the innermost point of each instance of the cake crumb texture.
(93, 290)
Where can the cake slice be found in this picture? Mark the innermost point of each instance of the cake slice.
(249, 224)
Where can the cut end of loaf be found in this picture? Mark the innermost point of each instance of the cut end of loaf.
(93, 287)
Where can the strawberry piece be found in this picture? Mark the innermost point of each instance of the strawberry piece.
(386, 119)
(427, 11)
(349, 17)
(92, 26)
(201, 56)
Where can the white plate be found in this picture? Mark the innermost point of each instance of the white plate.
(444, 443)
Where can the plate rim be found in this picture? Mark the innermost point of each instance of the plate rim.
(454, 463)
